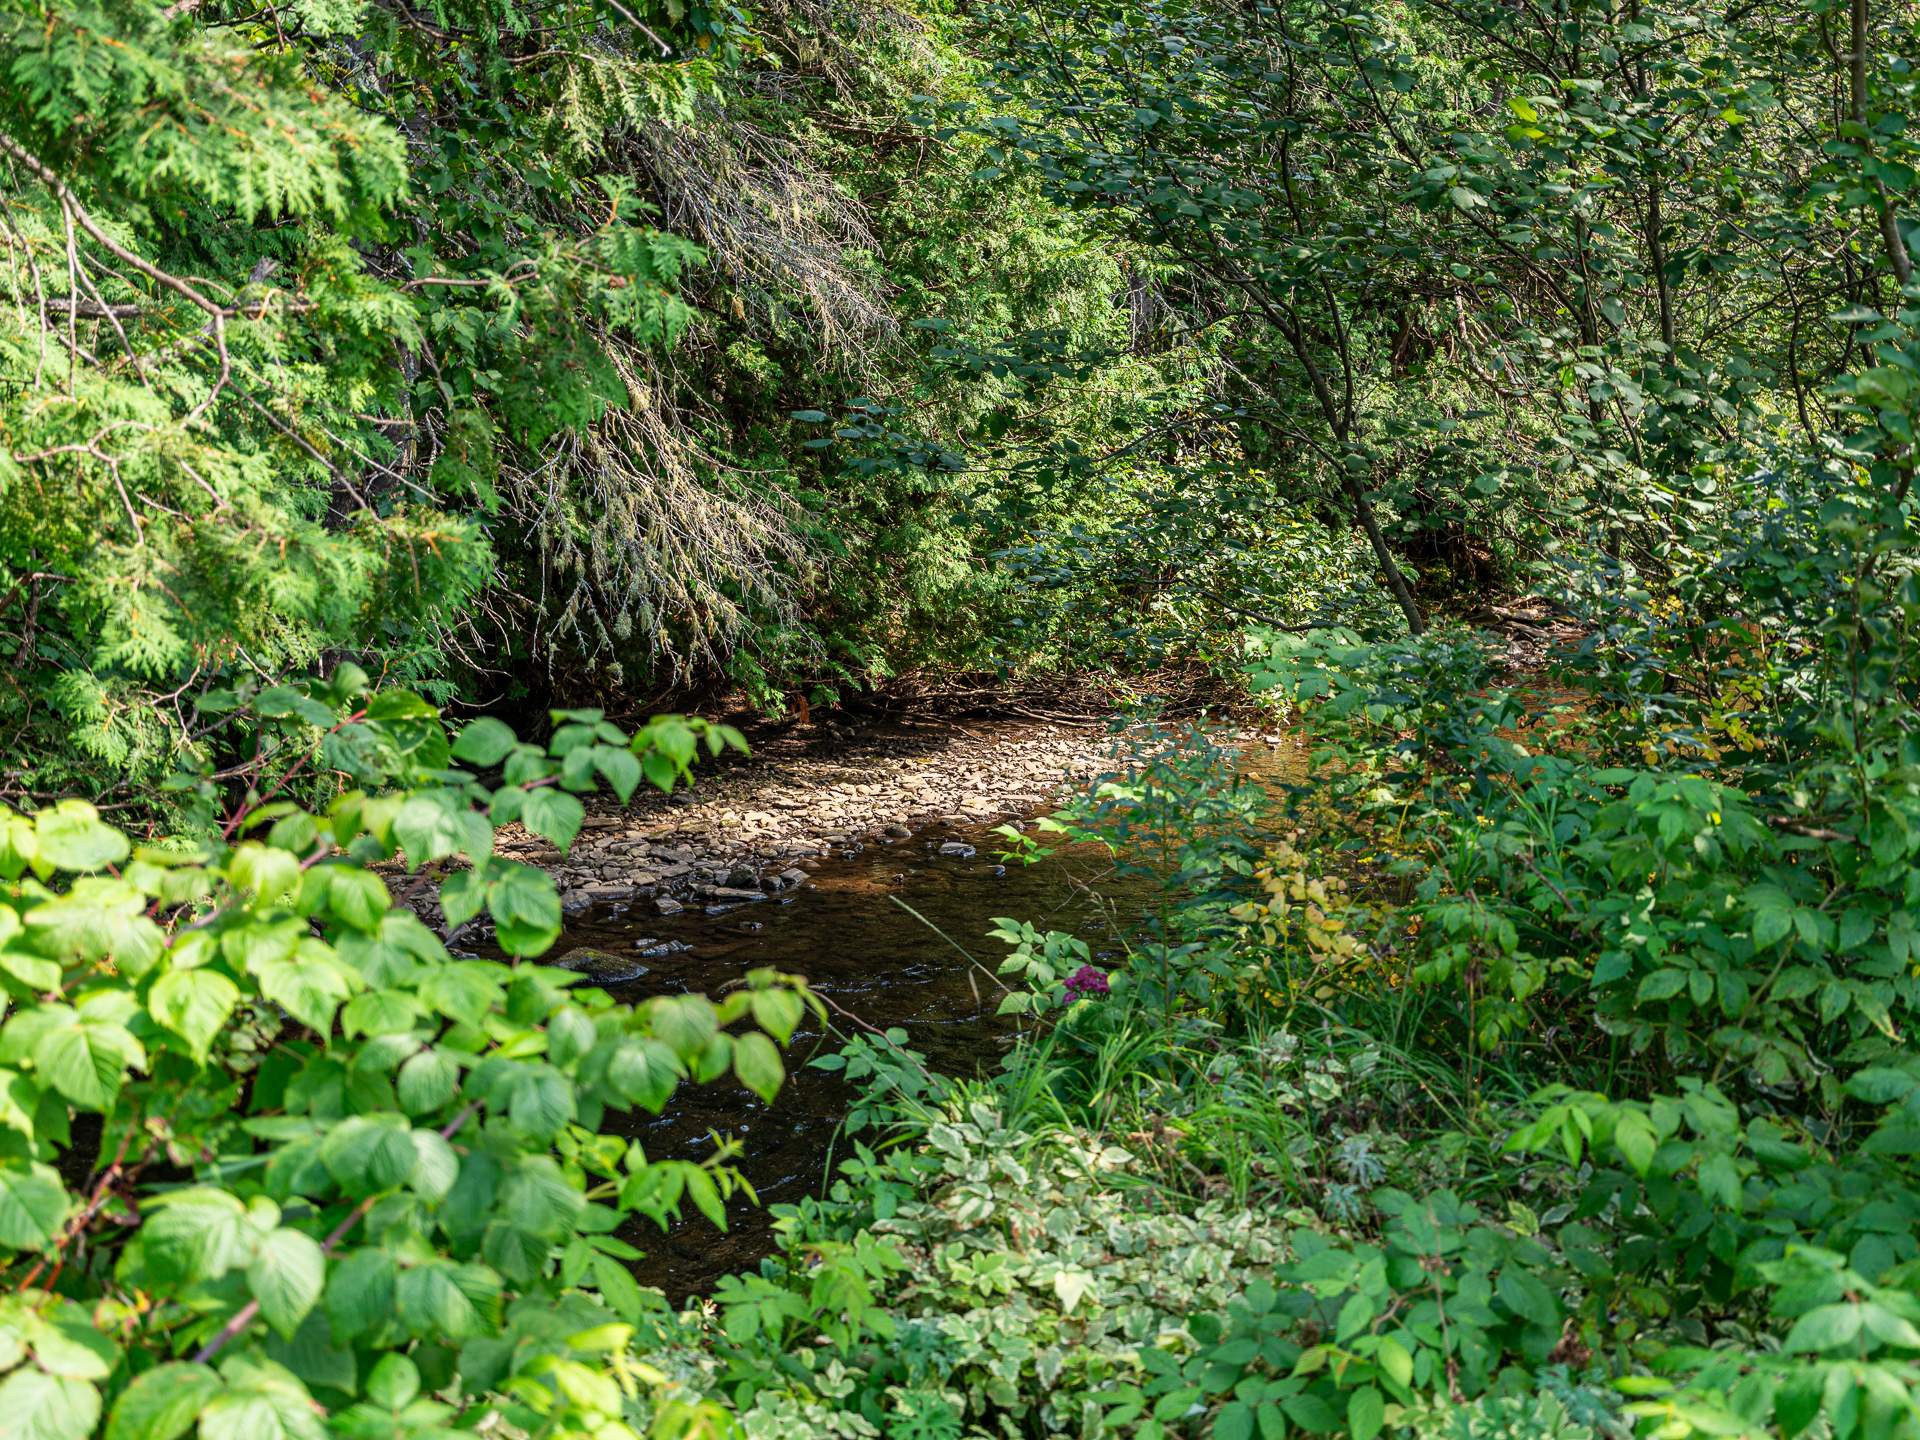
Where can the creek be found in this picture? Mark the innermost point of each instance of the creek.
(849, 931)
(872, 958)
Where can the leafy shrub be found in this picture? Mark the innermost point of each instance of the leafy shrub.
(273, 1162)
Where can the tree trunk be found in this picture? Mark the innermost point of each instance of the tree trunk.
(1396, 582)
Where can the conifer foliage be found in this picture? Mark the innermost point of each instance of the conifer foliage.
(280, 289)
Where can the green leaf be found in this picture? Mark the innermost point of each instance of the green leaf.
(33, 1205)
(1662, 985)
(435, 1167)
(463, 895)
(524, 906)
(360, 1293)
(1633, 1135)
(356, 897)
(72, 836)
(1720, 1181)
(37, 1406)
(1528, 1296)
(1829, 1327)
(483, 743)
(645, 1072)
(1366, 1413)
(309, 985)
(540, 1102)
(1234, 1422)
(621, 769)
(757, 1064)
(272, 875)
(554, 813)
(380, 1012)
(1880, 1086)
(193, 1004)
(286, 1277)
(428, 1081)
(262, 1402)
(535, 1197)
(394, 1382)
(87, 1061)
(778, 1012)
(162, 1403)
(367, 1154)
(194, 1234)
(440, 1301)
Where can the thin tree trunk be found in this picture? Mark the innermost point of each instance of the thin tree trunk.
(1396, 582)
(1857, 107)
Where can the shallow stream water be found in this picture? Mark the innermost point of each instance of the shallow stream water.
(845, 932)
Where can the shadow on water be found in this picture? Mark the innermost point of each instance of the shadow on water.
(842, 931)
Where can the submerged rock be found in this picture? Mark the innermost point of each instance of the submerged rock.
(958, 850)
(602, 967)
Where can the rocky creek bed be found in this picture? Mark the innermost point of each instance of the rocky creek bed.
(752, 826)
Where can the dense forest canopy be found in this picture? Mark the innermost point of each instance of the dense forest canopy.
(1514, 397)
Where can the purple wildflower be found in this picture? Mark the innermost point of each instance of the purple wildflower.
(1086, 983)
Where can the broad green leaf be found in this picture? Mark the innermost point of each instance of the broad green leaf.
(72, 836)
(394, 1382)
(87, 1061)
(1828, 1327)
(540, 1102)
(309, 985)
(1366, 1413)
(1634, 1136)
(778, 1011)
(484, 742)
(367, 1154)
(757, 1064)
(442, 1301)
(427, 1081)
(33, 1205)
(162, 1403)
(621, 769)
(552, 812)
(359, 1296)
(37, 1406)
(262, 1401)
(524, 906)
(194, 1234)
(193, 1004)
(286, 1277)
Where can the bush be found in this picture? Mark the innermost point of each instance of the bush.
(273, 1162)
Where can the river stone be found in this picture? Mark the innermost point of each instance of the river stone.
(958, 849)
(602, 966)
(667, 905)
